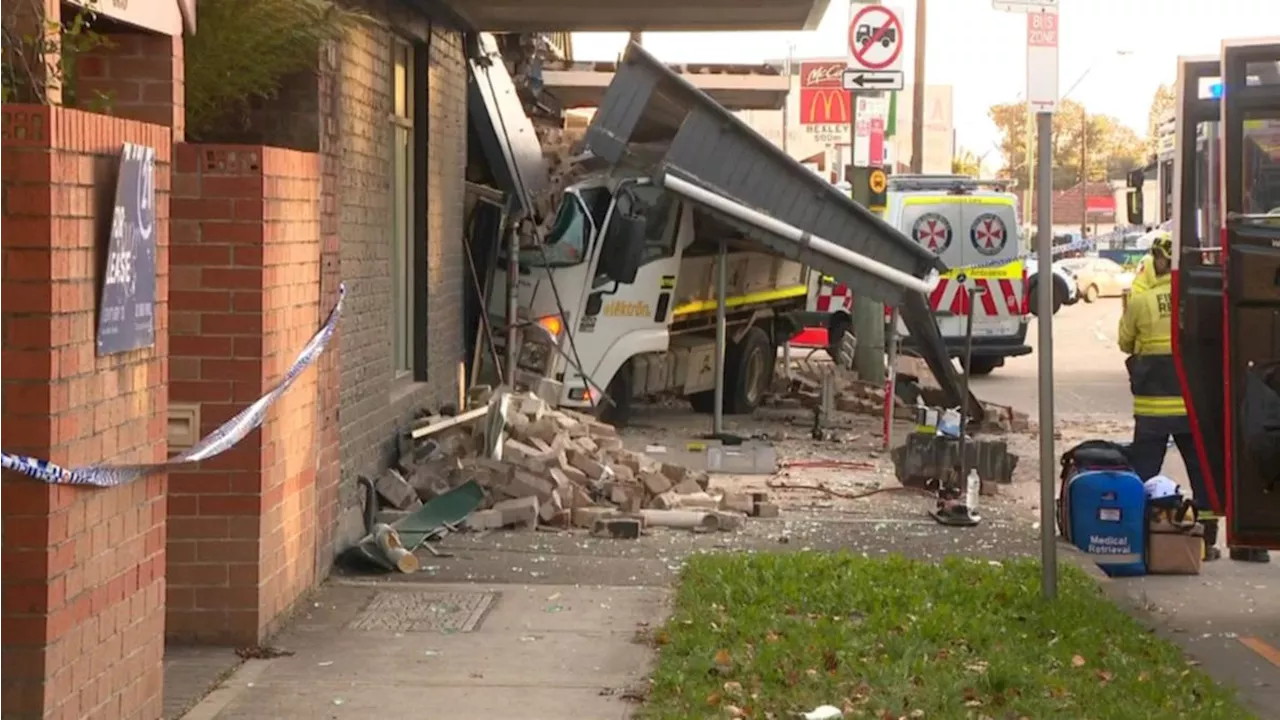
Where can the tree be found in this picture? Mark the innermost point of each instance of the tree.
(966, 163)
(1161, 105)
(1112, 148)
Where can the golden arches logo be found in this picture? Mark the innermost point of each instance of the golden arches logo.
(828, 98)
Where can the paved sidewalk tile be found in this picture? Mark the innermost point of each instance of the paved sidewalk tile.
(444, 651)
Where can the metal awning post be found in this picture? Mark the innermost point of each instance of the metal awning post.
(513, 305)
(722, 283)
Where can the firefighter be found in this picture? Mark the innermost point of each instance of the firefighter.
(1144, 276)
(1158, 409)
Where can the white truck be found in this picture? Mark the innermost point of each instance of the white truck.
(618, 301)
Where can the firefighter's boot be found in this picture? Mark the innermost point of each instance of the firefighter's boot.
(1211, 551)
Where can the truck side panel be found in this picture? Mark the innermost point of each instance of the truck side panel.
(751, 274)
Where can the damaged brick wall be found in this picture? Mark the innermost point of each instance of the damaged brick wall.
(374, 401)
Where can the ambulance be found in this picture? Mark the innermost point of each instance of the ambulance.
(972, 226)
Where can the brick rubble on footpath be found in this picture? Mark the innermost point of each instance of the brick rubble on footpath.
(558, 468)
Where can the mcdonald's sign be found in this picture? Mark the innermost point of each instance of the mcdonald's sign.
(824, 106)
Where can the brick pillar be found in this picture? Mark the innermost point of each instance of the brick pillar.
(83, 568)
(246, 263)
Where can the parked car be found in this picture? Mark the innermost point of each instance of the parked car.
(1099, 277)
(1064, 285)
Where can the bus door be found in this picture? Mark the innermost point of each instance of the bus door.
(1251, 243)
(1197, 276)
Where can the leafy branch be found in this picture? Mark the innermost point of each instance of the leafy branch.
(41, 54)
(246, 49)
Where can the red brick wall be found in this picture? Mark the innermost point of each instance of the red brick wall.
(83, 569)
(246, 263)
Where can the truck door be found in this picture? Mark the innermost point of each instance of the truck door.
(621, 320)
(1251, 242)
(1197, 275)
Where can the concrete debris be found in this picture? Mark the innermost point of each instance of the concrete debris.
(925, 460)
(804, 390)
(557, 468)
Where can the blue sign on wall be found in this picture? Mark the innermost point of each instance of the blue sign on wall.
(126, 319)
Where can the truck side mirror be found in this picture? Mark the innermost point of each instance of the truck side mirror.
(1133, 197)
(623, 249)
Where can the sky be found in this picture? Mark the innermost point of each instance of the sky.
(981, 52)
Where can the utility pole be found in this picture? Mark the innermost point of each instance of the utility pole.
(917, 92)
(787, 68)
(1084, 171)
(868, 315)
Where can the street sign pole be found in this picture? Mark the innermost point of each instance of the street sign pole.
(1042, 95)
(1048, 457)
(876, 35)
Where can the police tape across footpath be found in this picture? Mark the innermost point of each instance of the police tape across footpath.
(213, 444)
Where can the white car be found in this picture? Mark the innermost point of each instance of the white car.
(1064, 285)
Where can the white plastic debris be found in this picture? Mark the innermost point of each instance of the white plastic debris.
(823, 712)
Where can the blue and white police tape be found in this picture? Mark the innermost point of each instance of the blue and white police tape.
(215, 443)
(1074, 246)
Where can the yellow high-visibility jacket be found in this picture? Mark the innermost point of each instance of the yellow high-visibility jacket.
(1144, 277)
(1146, 336)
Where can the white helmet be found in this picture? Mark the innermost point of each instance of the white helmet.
(1161, 487)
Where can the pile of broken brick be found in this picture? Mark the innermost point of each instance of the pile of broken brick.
(559, 469)
(804, 389)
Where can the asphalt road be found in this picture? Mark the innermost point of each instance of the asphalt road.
(1088, 368)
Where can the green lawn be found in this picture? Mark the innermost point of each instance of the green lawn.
(773, 635)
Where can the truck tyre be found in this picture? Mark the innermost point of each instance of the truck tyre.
(617, 413)
(748, 372)
(1091, 294)
(840, 340)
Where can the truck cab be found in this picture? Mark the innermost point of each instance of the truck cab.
(620, 297)
(972, 227)
(675, 204)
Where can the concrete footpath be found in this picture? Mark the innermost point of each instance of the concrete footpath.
(450, 651)
(1227, 620)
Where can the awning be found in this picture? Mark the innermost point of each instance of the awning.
(168, 17)
(736, 87)
(648, 15)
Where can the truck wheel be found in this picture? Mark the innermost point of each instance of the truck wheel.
(748, 372)
(1091, 294)
(617, 413)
